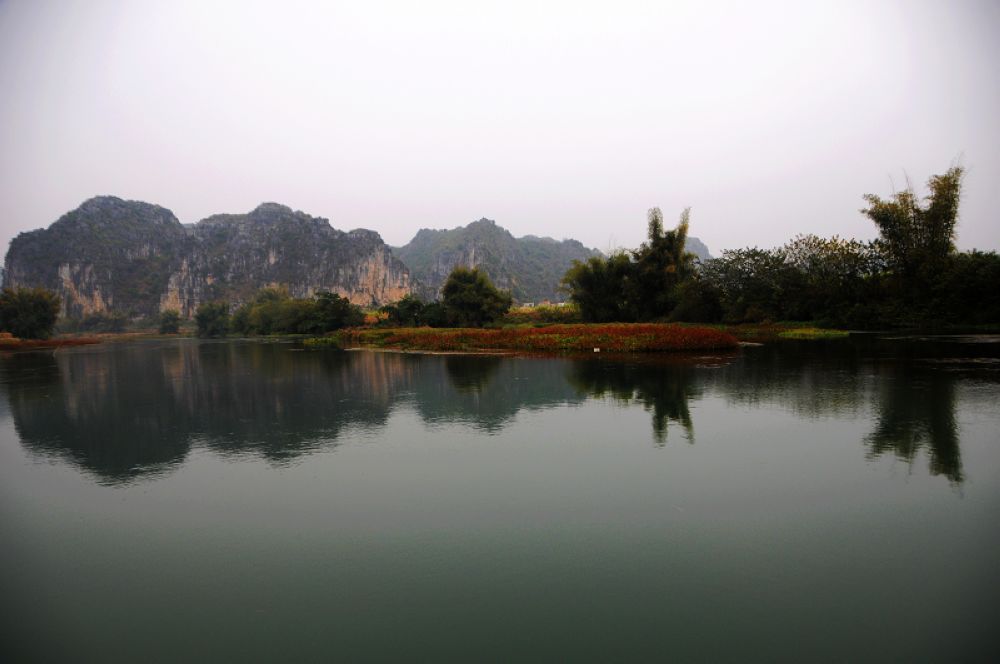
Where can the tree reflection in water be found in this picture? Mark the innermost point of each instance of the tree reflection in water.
(662, 385)
(487, 392)
(916, 409)
(132, 411)
(471, 373)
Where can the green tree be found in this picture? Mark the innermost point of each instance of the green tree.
(471, 300)
(828, 280)
(749, 283)
(698, 301)
(170, 321)
(917, 239)
(264, 314)
(274, 311)
(434, 315)
(661, 265)
(408, 312)
(28, 313)
(212, 319)
(333, 312)
(239, 322)
(639, 285)
(600, 287)
(967, 291)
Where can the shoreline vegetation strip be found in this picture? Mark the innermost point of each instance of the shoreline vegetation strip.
(613, 338)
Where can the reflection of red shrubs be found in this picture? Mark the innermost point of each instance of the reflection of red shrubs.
(612, 338)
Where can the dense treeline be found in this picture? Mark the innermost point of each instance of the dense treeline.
(273, 311)
(468, 299)
(910, 275)
(104, 323)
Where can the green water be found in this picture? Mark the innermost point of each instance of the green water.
(185, 501)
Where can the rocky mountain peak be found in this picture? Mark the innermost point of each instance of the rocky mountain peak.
(128, 257)
(529, 267)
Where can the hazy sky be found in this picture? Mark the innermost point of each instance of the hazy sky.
(562, 119)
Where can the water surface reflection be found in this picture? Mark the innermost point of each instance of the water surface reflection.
(663, 388)
(130, 411)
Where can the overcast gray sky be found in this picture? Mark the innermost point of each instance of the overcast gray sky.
(566, 119)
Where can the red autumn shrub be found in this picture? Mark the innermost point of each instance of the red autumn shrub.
(617, 337)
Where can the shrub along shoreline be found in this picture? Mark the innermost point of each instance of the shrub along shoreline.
(9, 342)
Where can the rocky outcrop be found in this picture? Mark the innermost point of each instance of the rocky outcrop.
(698, 248)
(133, 258)
(529, 267)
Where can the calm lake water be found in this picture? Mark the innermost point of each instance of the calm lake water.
(203, 501)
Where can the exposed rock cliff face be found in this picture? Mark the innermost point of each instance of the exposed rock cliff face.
(115, 256)
(529, 267)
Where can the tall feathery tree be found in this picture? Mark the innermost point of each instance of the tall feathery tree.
(917, 239)
(637, 285)
(661, 264)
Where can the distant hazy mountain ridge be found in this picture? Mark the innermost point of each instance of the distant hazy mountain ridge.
(529, 267)
(115, 256)
(698, 248)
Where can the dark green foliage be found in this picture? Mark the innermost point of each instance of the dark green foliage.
(600, 288)
(264, 313)
(109, 323)
(698, 301)
(28, 313)
(810, 278)
(916, 239)
(411, 311)
(747, 281)
(968, 289)
(170, 322)
(434, 315)
(334, 312)
(660, 265)
(910, 276)
(101, 323)
(408, 312)
(212, 319)
(273, 311)
(641, 285)
(471, 300)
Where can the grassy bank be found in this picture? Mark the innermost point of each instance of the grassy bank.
(763, 332)
(612, 338)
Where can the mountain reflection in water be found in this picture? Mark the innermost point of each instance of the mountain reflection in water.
(131, 411)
